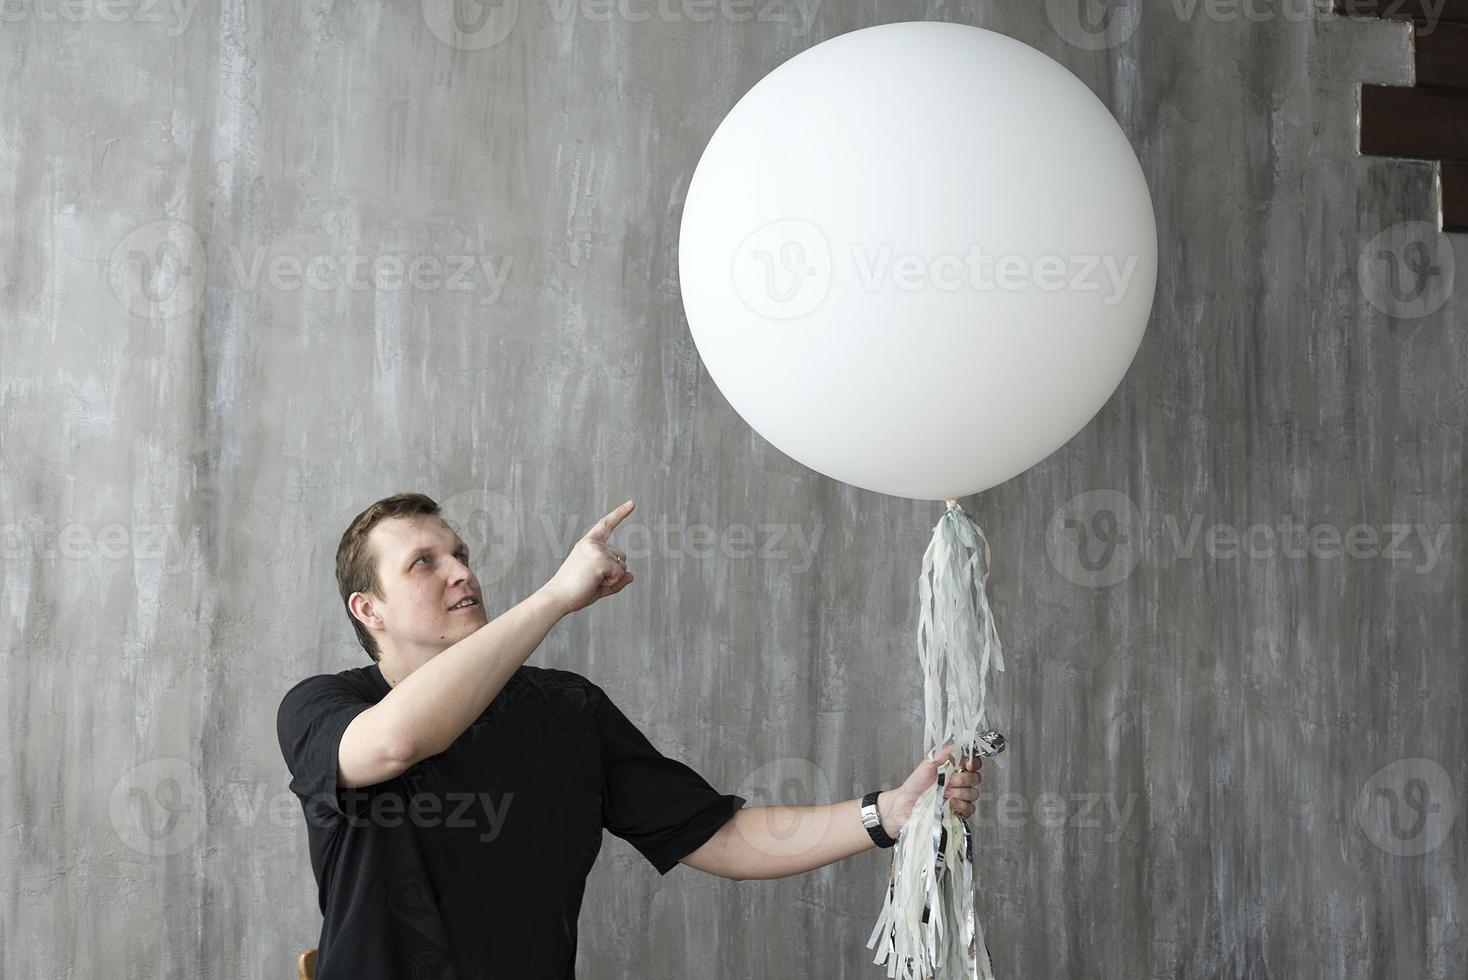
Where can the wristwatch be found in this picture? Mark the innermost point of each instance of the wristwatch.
(872, 820)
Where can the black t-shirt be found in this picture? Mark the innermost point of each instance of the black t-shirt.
(471, 865)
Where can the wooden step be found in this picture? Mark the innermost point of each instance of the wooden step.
(1455, 195)
(1418, 123)
(1424, 12)
(1442, 57)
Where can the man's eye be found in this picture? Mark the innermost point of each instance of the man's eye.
(421, 558)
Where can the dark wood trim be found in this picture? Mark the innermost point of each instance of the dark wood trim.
(1454, 177)
(1429, 120)
(1425, 12)
(1419, 123)
(1442, 57)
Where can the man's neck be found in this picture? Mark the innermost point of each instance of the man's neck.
(395, 666)
(392, 671)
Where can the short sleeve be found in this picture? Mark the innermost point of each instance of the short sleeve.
(309, 724)
(658, 805)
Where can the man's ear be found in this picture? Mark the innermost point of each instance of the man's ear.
(361, 605)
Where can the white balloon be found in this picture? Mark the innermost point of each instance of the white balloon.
(918, 258)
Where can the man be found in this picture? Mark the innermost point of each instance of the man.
(455, 798)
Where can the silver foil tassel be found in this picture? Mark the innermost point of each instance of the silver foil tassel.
(927, 929)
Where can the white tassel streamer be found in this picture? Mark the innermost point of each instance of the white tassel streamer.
(927, 929)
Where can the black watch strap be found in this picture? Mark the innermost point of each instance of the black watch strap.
(872, 820)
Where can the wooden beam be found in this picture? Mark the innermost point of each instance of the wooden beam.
(1454, 177)
(1424, 12)
(1418, 123)
(1442, 57)
(1428, 121)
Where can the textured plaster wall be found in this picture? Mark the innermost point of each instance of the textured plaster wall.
(1227, 760)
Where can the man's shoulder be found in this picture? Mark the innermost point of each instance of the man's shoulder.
(556, 684)
(313, 698)
(358, 681)
(554, 678)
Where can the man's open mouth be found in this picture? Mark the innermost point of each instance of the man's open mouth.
(468, 603)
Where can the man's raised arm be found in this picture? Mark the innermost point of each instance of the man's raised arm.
(427, 710)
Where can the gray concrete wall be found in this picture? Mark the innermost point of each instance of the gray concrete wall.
(1210, 743)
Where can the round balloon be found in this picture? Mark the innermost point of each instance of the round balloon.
(918, 258)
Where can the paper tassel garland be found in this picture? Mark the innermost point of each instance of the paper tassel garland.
(927, 929)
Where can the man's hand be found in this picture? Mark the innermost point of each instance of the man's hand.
(961, 789)
(594, 569)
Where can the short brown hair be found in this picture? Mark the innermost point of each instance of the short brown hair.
(356, 565)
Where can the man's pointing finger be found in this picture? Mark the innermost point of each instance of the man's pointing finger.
(603, 528)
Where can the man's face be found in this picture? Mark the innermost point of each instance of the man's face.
(422, 566)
